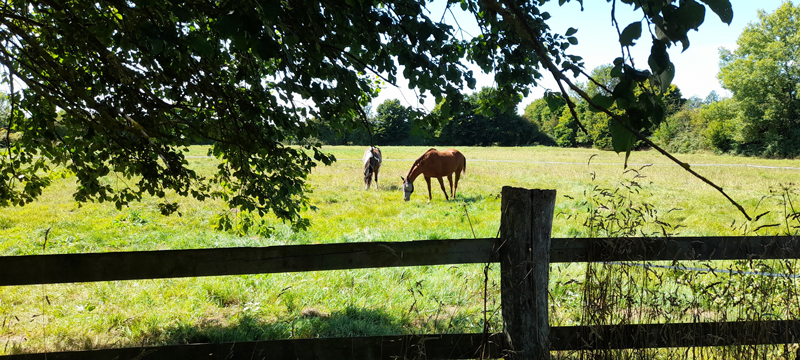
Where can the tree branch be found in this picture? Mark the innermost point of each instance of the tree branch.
(530, 37)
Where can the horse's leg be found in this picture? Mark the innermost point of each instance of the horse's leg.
(455, 190)
(376, 179)
(428, 180)
(450, 182)
(441, 183)
(366, 178)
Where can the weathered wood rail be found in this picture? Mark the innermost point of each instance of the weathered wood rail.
(112, 266)
(524, 251)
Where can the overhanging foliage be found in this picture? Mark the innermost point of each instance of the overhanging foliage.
(138, 81)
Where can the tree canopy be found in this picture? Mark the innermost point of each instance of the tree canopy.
(762, 118)
(764, 76)
(484, 124)
(392, 122)
(132, 83)
(558, 122)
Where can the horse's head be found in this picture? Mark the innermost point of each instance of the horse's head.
(408, 188)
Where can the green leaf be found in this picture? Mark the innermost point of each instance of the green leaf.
(659, 58)
(665, 78)
(636, 75)
(622, 140)
(661, 35)
(156, 46)
(573, 40)
(616, 71)
(554, 100)
(691, 14)
(623, 89)
(571, 31)
(722, 8)
(684, 44)
(200, 46)
(603, 101)
(445, 109)
(632, 32)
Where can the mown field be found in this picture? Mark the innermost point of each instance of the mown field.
(385, 301)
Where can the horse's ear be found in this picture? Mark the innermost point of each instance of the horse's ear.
(402, 178)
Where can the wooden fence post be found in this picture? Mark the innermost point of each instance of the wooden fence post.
(525, 227)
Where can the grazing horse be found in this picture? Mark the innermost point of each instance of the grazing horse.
(372, 163)
(435, 163)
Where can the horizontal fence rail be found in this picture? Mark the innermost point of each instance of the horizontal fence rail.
(457, 346)
(449, 346)
(674, 248)
(112, 266)
(679, 335)
(65, 268)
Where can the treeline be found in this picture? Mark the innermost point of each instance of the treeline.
(762, 118)
(751, 123)
(395, 124)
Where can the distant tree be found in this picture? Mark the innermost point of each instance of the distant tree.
(604, 83)
(714, 126)
(597, 124)
(567, 133)
(539, 113)
(721, 123)
(680, 132)
(712, 97)
(392, 123)
(764, 77)
(693, 102)
(673, 99)
(483, 124)
(345, 133)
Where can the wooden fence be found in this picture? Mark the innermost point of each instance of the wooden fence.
(525, 250)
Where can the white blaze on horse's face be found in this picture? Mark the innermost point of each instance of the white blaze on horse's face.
(408, 188)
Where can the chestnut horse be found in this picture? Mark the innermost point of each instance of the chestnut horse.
(372, 163)
(435, 163)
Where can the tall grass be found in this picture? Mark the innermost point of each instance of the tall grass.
(350, 302)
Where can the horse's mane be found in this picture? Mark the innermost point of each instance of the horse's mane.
(419, 160)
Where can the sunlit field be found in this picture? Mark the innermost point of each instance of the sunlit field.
(355, 302)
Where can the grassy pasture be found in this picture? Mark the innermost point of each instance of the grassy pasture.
(369, 302)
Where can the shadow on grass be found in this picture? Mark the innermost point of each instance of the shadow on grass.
(469, 199)
(349, 322)
(392, 187)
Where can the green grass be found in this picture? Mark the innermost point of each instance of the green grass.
(352, 302)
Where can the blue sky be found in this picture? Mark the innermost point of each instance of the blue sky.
(696, 68)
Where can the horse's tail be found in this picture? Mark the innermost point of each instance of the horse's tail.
(464, 165)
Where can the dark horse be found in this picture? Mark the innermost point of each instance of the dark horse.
(372, 163)
(435, 163)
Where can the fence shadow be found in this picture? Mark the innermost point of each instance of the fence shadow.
(250, 326)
